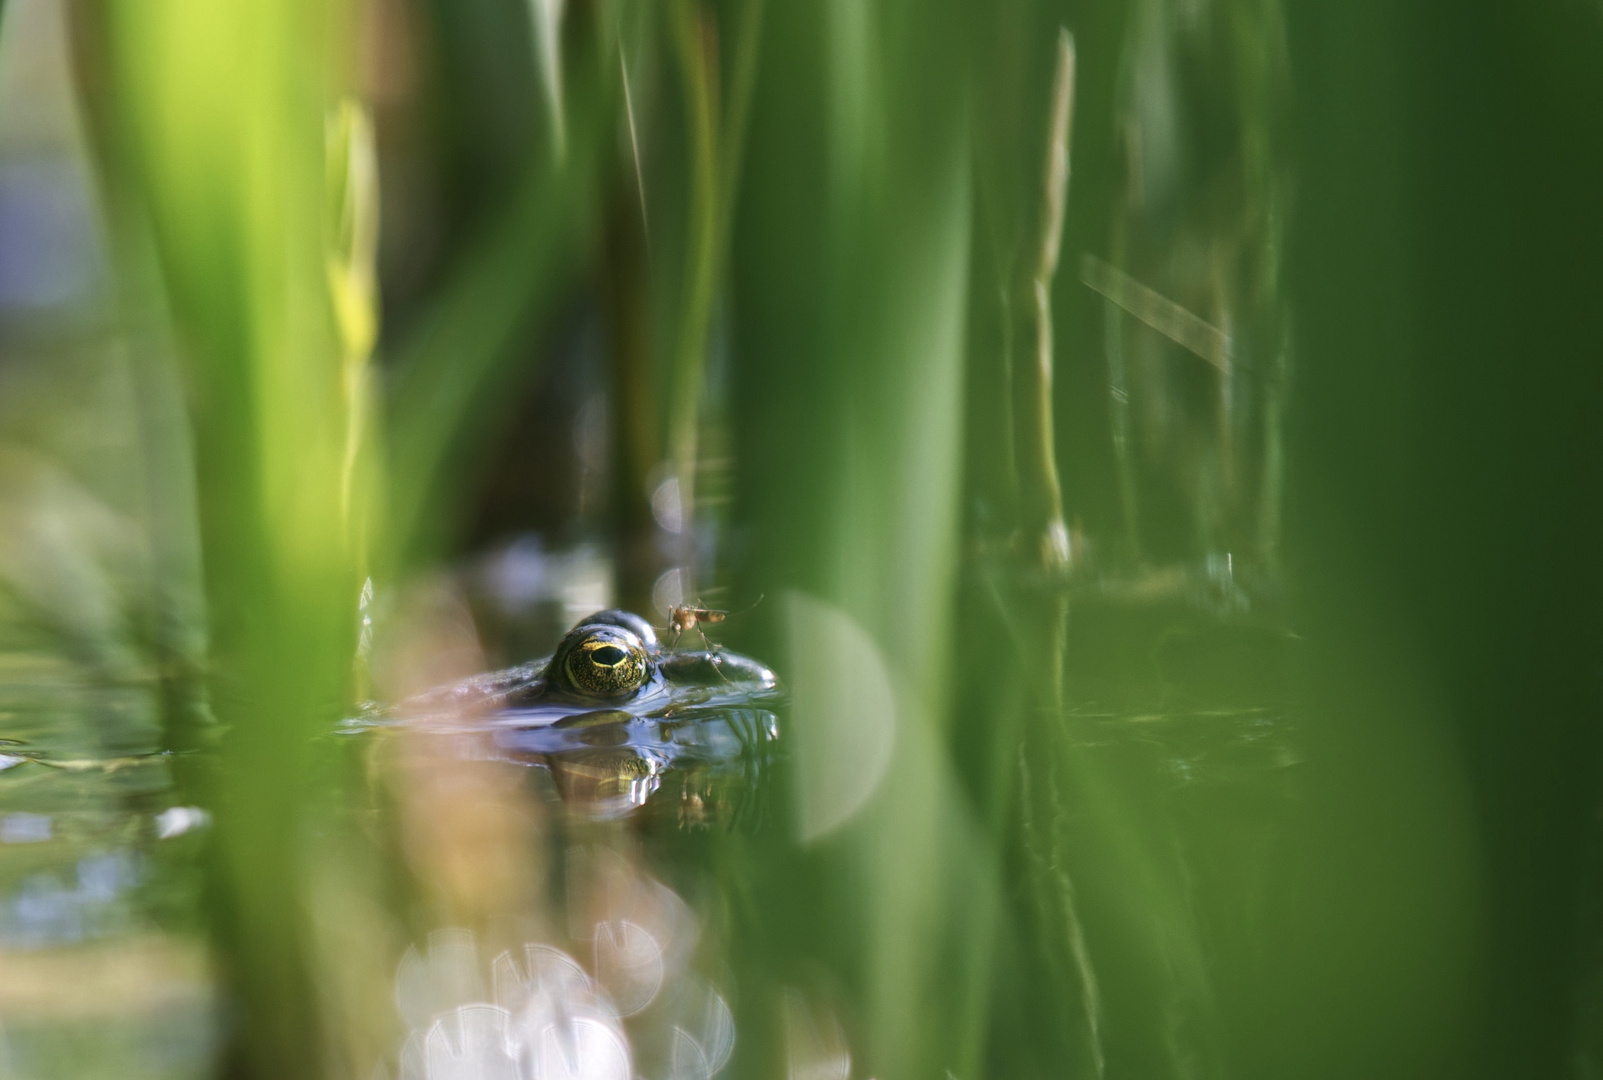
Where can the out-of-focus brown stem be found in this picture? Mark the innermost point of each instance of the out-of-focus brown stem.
(743, 80)
(716, 141)
(636, 439)
(450, 380)
(696, 39)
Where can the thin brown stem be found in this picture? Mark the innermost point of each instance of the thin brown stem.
(1045, 534)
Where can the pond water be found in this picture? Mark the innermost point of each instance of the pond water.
(104, 966)
(547, 888)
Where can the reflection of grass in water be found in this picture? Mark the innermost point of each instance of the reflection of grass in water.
(137, 978)
(173, 1041)
(106, 971)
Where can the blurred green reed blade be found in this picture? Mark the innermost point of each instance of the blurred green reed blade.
(174, 630)
(1447, 261)
(223, 109)
(456, 379)
(850, 269)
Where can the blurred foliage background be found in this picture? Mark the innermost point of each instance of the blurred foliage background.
(1154, 441)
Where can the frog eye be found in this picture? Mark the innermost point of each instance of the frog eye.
(608, 661)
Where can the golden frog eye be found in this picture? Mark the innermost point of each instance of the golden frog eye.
(606, 661)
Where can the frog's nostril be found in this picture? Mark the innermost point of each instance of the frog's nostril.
(609, 656)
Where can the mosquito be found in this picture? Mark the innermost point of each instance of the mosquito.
(687, 617)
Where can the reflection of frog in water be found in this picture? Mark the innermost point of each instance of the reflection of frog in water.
(611, 712)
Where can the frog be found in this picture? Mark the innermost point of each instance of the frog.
(613, 711)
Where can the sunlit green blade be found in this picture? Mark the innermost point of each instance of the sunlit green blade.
(224, 114)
